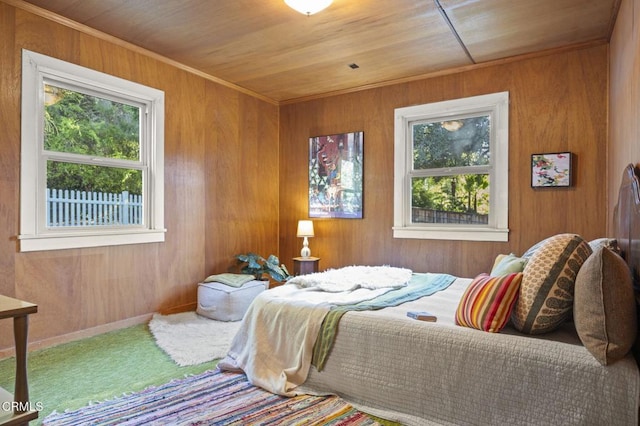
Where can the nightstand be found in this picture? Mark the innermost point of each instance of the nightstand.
(305, 265)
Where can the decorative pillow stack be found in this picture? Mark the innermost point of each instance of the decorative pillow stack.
(605, 308)
(546, 294)
(487, 303)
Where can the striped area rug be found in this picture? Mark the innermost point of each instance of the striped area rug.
(213, 398)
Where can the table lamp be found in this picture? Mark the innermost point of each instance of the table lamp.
(305, 229)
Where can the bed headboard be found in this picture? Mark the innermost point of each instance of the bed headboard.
(626, 224)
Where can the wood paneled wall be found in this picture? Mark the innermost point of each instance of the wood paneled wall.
(241, 178)
(236, 173)
(557, 103)
(624, 98)
(221, 190)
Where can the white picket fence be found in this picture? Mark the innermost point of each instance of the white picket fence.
(81, 208)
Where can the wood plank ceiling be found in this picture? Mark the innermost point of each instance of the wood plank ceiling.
(267, 48)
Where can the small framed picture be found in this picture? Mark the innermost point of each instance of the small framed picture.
(551, 170)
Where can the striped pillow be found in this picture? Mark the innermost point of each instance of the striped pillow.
(487, 303)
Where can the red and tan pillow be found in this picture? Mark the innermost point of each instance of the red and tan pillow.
(545, 299)
(487, 303)
(604, 306)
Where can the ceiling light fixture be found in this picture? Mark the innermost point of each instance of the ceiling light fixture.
(452, 125)
(308, 7)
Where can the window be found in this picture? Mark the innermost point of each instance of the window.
(92, 158)
(451, 169)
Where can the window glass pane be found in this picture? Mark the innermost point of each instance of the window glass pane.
(85, 195)
(78, 123)
(454, 143)
(460, 199)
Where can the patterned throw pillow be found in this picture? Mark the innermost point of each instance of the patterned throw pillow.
(487, 303)
(546, 293)
(534, 248)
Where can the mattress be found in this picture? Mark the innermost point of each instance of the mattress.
(425, 373)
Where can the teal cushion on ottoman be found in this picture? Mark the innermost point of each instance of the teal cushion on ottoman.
(225, 303)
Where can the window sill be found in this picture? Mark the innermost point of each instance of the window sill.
(457, 234)
(62, 242)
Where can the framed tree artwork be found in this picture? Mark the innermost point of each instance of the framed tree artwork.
(335, 175)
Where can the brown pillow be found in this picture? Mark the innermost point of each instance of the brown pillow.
(545, 299)
(604, 306)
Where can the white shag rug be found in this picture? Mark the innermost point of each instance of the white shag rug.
(191, 339)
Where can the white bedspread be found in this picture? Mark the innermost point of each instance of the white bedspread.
(274, 345)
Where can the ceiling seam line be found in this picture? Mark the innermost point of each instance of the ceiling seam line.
(453, 30)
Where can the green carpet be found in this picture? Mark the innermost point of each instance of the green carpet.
(71, 375)
(98, 368)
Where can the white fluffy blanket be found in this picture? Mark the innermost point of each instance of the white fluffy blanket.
(354, 277)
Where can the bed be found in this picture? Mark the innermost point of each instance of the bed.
(442, 373)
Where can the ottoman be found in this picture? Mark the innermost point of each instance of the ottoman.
(226, 303)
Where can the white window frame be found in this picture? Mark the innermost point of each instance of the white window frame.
(38, 69)
(497, 106)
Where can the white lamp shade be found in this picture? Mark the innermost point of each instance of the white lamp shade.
(308, 7)
(305, 228)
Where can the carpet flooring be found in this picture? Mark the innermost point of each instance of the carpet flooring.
(99, 368)
(213, 398)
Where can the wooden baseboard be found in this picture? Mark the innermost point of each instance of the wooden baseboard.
(94, 331)
(77, 335)
(179, 309)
